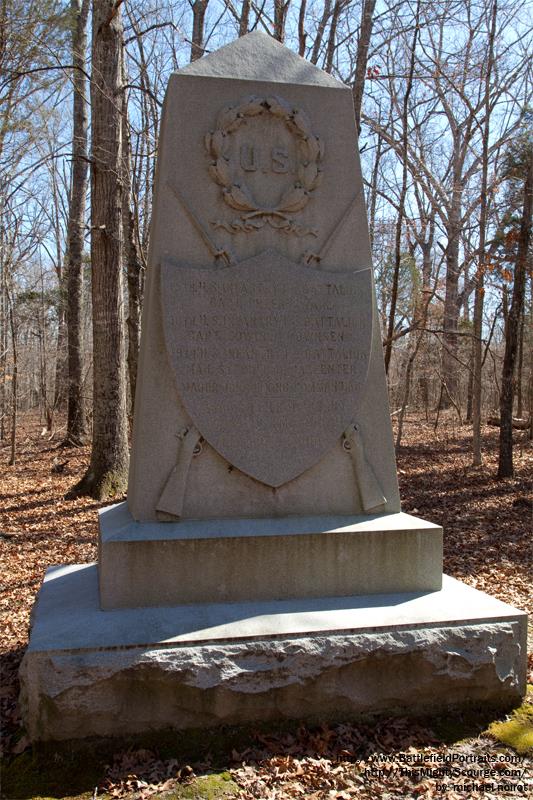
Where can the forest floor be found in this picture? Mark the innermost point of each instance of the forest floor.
(487, 544)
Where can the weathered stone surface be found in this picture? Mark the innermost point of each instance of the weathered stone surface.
(270, 358)
(213, 664)
(248, 166)
(276, 64)
(259, 191)
(155, 564)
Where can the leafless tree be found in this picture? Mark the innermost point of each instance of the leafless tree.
(365, 32)
(108, 469)
(505, 463)
(77, 415)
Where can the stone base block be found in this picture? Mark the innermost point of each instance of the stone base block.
(89, 671)
(233, 560)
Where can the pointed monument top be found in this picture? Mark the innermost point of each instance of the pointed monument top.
(259, 57)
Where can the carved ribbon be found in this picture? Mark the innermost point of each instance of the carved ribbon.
(170, 503)
(369, 488)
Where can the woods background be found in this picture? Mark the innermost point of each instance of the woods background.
(443, 100)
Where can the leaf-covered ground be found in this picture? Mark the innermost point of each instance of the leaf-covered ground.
(487, 526)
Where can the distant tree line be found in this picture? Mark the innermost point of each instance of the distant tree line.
(442, 95)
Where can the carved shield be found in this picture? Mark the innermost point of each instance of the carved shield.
(270, 358)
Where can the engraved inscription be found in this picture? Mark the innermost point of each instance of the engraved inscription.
(270, 358)
(252, 159)
(267, 160)
(280, 161)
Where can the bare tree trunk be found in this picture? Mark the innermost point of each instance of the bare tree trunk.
(330, 51)
(374, 193)
(47, 407)
(61, 371)
(451, 307)
(108, 470)
(280, 18)
(302, 35)
(480, 290)
(14, 380)
(365, 32)
(427, 294)
(519, 368)
(530, 388)
(470, 387)
(320, 32)
(472, 358)
(132, 254)
(403, 193)
(199, 7)
(245, 18)
(407, 386)
(505, 464)
(3, 353)
(420, 320)
(77, 415)
(61, 366)
(505, 305)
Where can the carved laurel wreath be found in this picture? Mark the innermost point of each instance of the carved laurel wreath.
(238, 195)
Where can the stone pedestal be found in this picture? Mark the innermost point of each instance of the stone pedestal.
(228, 560)
(262, 567)
(89, 671)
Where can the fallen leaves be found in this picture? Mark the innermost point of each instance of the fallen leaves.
(423, 769)
(142, 773)
(487, 543)
(486, 522)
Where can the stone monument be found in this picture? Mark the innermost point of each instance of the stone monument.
(261, 566)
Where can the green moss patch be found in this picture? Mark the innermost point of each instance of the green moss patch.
(517, 730)
(24, 779)
(31, 776)
(70, 770)
(462, 724)
(206, 787)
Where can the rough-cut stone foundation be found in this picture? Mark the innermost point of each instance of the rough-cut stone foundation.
(89, 671)
(261, 393)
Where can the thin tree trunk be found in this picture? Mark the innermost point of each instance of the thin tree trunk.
(530, 390)
(4, 317)
(470, 387)
(133, 258)
(519, 368)
(199, 7)
(407, 389)
(280, 18)
(244, 21)
(61, 366)
(403, 193)
(61, 371)
(5, 304)
(302, 35)
(320, 32)
(451, 308)
(374, 193)
(46, 406)
(427, 294)
(14, 380)
(77, 415)
(365, 32)
(108, 470)
(466, 318)
(420, 320)
(505, 464)
(480, 290)
(330, 51)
